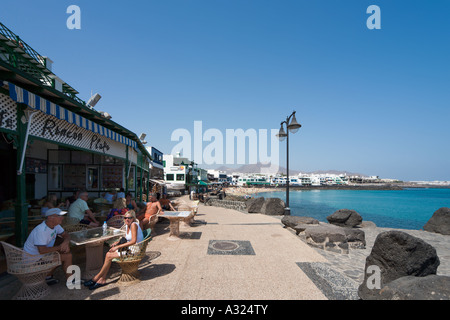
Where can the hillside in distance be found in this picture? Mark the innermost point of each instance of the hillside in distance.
(259, 167)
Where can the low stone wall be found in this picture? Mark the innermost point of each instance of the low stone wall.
(228, 204)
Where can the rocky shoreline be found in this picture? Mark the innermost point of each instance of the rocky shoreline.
(352, 265)
(242, 191)
(415, 264)
(411, 264)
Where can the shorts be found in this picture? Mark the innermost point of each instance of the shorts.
(84, 221)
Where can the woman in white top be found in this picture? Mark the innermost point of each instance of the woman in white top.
(133, 235)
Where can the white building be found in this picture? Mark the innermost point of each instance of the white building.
(252, 179)
(219, 176)
(175, 172)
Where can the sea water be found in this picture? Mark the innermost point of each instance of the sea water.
(410, 208)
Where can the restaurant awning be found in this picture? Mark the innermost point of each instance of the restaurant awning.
(161, 182)
(34, 101)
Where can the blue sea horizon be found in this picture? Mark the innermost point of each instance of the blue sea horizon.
(410, 208)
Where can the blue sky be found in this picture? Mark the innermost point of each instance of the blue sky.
(369, 101)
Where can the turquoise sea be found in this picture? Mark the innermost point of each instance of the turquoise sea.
(406, 209)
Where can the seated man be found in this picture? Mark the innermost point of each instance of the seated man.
(110, 196)
(153, 208)
(43, 239)
(165, 203)
(72, 198)
(80, 210)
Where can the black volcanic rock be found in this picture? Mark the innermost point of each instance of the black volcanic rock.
(397, 254)
(439, 222)
(345, 218)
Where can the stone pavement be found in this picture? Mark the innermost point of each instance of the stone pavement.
(229, 255)
(225, 255)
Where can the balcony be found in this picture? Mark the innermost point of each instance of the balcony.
(20, 56)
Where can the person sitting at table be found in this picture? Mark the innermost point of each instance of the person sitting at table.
(110, 196)
(80, 210)
(119, 208)
(121, 193)
(133, 235)
(72, 198)
(153, 208)
(48, 237)
(51, 202)
(131, 204)
(166, 204)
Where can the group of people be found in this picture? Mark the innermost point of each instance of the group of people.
(144, 214)
(49, 236)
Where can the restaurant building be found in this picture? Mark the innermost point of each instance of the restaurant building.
(157, 184)
(53, 142)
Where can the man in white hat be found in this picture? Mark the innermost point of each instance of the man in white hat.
(43, 240)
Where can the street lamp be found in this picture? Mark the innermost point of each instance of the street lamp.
(292, 127)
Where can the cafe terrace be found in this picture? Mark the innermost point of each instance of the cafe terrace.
(54, 142)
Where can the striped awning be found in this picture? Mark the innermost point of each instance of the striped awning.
(21, 95)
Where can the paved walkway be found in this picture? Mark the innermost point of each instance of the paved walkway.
(263, 266)
(229, 255)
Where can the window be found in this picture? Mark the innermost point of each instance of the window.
(169, 177)
(92, 178)
(180, 177)
(54, 177)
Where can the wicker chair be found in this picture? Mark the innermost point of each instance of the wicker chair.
(129, 260)
(186, 207)
(75, 227)
(73, 224)
(31, 271)
(115, 222)
(67, 221)
(152, 223)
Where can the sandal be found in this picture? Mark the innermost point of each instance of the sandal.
(51, 281)
(89, 283)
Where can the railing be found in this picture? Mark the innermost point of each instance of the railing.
(13, 39)
(20, 55)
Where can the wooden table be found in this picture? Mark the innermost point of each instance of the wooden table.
(93, 239)
(175, 217)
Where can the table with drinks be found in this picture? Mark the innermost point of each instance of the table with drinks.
(93, 240)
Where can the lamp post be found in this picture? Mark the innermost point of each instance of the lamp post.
(293, 127)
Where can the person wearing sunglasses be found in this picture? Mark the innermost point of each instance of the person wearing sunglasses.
(133, 235)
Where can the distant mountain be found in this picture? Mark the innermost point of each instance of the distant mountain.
(259, 167)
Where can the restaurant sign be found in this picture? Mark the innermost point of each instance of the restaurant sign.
(8, 113)
(59, 131)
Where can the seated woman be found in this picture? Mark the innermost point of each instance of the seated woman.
(51, 202)
(131, 204)
(133, 235)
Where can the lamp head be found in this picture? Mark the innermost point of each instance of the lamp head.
(294, 125)
(281, 134)
(93, 100)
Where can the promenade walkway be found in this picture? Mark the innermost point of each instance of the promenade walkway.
(224, 255)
